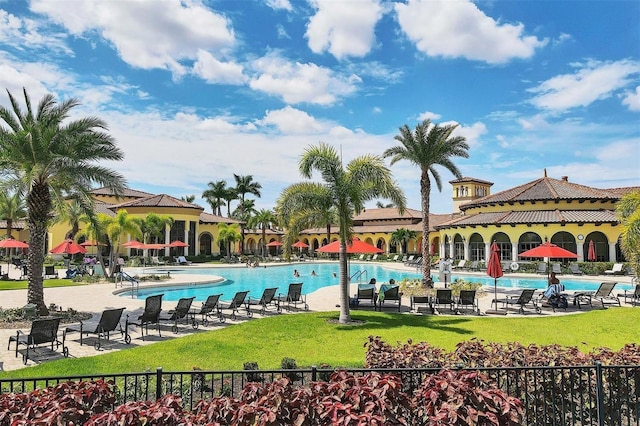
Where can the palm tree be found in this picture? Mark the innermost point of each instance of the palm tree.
(229, 196)
(72, 213)
(245, 185)
(305, 205)
(364, 178)
(48, 156)
(263, 219)
(628, 211)
(215, 195)
(427, 147)
(188, 198)
(228, 233)
(93, 231)
(115, 227)
(153, 227)
(402, 236)
(381, 205)
(12, 209)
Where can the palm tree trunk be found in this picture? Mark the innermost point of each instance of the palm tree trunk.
(425, 191)
(39, 205)
(345, 317)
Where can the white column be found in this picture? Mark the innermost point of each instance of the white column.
(167, 235)
(612, 252)
(465, 244)
(487, 251)
(580, 248)
(514, 252)
(186, 240)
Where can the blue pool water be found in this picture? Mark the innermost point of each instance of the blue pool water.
(257, 279)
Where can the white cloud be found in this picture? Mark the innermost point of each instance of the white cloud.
(297, 82)
(454, 29)
(632, 100)
(343, 28)
(23, 33)
(472, 133)
(593, 81)
(165, 36)
(279, 4)
(291, 120)
(535, 122)
(428, 115)
(282, 32)
(214, 71)
(502, 141)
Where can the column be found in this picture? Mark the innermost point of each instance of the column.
(487, 252)
(514, 252)
(580, 248)
(465, 244)
(612, 252)
(167, 236)
(186, 238)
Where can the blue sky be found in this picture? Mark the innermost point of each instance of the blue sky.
(195, 91)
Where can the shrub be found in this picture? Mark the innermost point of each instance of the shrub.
(252, 377)
(462, 284)
(415, 287)
(290, 364)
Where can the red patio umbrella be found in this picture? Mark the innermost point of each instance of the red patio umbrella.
(300, 245)
(549, 250)
(68, 246)
(494, 270)
(356, 246)
(591, 256)
(92, 243)
(178, 243)
(274, 244)
(132, 244)
(11, 243)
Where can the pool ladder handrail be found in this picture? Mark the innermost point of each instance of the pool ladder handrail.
(358, 275)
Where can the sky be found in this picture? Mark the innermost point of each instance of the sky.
(197, 91)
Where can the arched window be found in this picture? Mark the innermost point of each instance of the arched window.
(504, 244)
(476, 247)
(565, 240)
(528, 240)
(601, 244)
(458, 247)
(205, 244)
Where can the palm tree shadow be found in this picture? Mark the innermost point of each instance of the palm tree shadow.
(376, 321)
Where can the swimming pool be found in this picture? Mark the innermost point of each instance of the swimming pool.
(257, 279)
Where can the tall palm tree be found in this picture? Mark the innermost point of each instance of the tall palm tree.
(12, 208)
(628, 211)
(229, 196)
(228, 234)
(381, 205)
(93, 230)
(364, 178)
(245, 185)
(215, 195)
(305, 205)
(115, 227)
(402, 236)
(48, 156)
(188, 198)
(263, 219)
(428, 146)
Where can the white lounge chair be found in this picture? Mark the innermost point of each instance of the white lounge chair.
(615, 270)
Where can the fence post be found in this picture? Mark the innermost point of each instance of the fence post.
(314, 373)
(599, 393)
(158, 383)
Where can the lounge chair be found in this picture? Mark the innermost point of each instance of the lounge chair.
(542, 268)
(109, 321)
(522, 300)
(460, 264)
(367, 294)
(506, 266)
(473, 266)
(155, 261)
(389, 294)
(236, 303)
(267, 299)
(444, 297)
(575, 269)
(631, 296)
(467, 299)
(602, 294)
(617, 269)
(395, 258)
(50, 272)
(361, 257)
(556, 268)
(42, 331)
(181, 311)
(210, 308)
(17, 262)
(374, 257)
(151, 314)
(181, 260)
(415, 262)
(294, 297)
(409, 260)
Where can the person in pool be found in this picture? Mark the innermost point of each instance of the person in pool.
(296, 273)
(313, 273)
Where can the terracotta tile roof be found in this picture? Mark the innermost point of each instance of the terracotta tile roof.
(434, 220)
(212, 218)
(536, 216)
(161, 200)
(267, 232)
(623, 191)
(104, 208)
(387, 214)
(470, 179)
(544, 189)
(17, 224)
(127, 192)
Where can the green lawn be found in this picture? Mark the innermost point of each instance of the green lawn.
(49, 283)
(311, 339)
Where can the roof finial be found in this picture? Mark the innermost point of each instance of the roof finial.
(545, 172)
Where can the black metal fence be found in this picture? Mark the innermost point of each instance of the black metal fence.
(567, 396)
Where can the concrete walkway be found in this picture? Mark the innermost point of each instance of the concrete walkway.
(95, 298)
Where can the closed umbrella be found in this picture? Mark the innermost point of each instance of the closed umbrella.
(68, 246)
(549, 250)
(591, 256)
(494, 270)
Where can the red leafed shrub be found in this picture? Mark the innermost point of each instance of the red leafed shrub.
(67, 403)
(166, 411)
(463, 399)
(382, 355)
(372, 399)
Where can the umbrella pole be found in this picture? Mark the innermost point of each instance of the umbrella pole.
(495, 292)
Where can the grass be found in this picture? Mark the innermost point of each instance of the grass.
(312, 339)
(49, 283)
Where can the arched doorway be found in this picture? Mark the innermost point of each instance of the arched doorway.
(600, 243)
(476, 247)
(504, 244)
(458, 247)
(206, 241)
(527, 241)
(565, 240)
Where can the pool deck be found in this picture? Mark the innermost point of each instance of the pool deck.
(97, 297)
